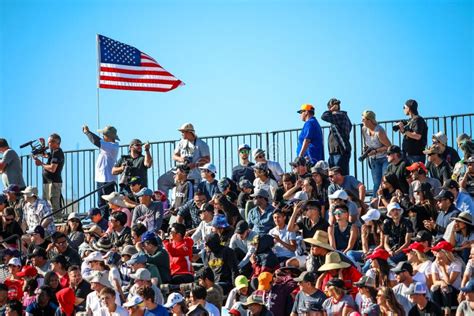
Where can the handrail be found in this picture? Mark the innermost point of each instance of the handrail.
(77, 200)
(280, 145)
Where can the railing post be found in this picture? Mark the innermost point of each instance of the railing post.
(354, 149)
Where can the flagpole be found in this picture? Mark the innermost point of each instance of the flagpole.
(98, 81)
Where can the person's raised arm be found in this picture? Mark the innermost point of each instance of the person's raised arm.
(148, 159)
(94, 139)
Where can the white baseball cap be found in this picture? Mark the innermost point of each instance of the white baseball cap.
(94, 256)
(371, 215)
(210, 167)
(14, 262)
(339, 194)
(133, 301)
(173, 299)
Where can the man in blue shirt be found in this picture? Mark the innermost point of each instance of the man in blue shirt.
(310, 140)
(462, 200)
(151, 309)
(260, 217)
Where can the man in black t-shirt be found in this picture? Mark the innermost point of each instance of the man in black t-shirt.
(398, 166)
(134, 165)
(81, 287)
(437, 166)
(52, 180)
(414, 133)
(397, 231)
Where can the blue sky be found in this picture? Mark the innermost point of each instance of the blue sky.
(247, 65)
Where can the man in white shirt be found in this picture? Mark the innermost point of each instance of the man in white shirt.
(108, 151)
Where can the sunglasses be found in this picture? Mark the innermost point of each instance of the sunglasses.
(244, 151)
(338, 212)
(260, 156)
(60, 243)
(8, 219)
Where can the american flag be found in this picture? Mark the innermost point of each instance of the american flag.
(124, 67)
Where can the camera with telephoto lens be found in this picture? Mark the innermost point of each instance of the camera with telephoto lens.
(396, 128)
(365, 154)
(127, 163)
(38, 146)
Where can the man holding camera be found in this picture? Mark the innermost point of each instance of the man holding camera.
(414, 133)
(191, 151)
(52, 180)
(134, 165)
(339, 135)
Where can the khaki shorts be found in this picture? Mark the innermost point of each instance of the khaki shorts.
(52, 193)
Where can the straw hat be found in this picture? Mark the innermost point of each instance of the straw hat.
(464, 217)
(332, 262)
(320, 239)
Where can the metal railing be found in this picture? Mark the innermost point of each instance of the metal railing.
(78, 171)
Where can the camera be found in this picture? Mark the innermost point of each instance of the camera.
(396, 128)
(366, 153)
(127, 171)
(38, 146)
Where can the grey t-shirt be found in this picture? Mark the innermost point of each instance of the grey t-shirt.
(12, 173)
(151, 216)
(350, 184)
(303, 301)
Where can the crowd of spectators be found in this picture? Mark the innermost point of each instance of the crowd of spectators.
(259, 242)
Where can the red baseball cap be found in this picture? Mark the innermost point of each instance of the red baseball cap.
(443, 245)
(417, 165)
(27, 271)
(379, 254)
(415, 246)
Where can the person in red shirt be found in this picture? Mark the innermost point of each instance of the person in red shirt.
(334, 267)
(14, 282)
(180, 250)
(60, 266)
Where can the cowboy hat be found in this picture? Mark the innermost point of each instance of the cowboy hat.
(332, 262)
(320, 239)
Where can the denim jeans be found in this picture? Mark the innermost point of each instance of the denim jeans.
(111, 188)
(415, 158)
(340, 160)
(378, 166)
(358, 256)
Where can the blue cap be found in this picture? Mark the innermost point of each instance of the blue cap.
(220, 221)
(469, 287)
(137, 258)
(94, 211)
(148, 236)
(144, 192)
(12, 188)
(244, 146)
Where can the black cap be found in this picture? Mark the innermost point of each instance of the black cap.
(336, 283)
(394, 149)
(299, 161)
(306, 276)
(402, 267)
(37, 230)
(134, 180)
(241, 227)
(423, 235)
(450, 184)
(38, 252)
(445, 194)
(206, 208)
